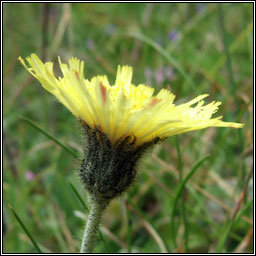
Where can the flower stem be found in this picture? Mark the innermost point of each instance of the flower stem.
(92, 225)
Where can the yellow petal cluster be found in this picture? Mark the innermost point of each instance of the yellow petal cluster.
(123, 109)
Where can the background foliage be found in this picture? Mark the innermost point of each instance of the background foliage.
(191, 49)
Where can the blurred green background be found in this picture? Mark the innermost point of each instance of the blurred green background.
(190, 48)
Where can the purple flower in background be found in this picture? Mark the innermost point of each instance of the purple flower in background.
(90, 44)
(174, 35)
(159, 75)
(169, 72)
(200, 7)
(29, 175)
(53, 11)
(148, 75)
(110, 29)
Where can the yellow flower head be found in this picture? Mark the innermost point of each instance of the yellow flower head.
(123, 109)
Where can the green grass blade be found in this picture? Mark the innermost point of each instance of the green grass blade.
(183, 207)
(228, 57)
(128, 231)
(160, 241)
(235, 216)
(244, 209)
(224, 234)
(227, 230)
(78, 195)
(177, 195)
(104, 242)
(25, 229)
(167, 56)
(232, 84)
(67, 149)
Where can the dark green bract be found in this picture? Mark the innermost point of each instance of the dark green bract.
(107, 169)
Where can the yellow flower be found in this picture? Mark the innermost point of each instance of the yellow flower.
(123, 109)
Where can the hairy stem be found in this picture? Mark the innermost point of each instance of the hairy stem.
(92, 225)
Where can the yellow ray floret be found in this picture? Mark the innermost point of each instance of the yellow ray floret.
(123, 109)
